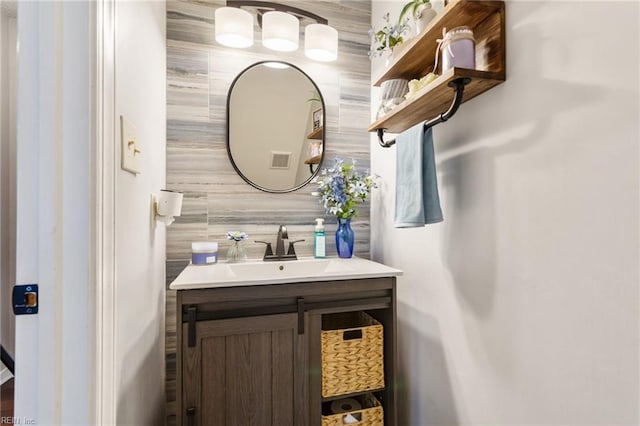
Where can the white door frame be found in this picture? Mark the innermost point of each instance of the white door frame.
(104, 177)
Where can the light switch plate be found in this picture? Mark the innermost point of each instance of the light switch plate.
(130, 149)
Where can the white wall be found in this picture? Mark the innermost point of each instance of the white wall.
(521, 308)
(140, 248)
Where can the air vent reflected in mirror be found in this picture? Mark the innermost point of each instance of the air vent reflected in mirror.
(280, 160)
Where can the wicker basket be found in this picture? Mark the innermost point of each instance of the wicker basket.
(371, 414)
(352, 354)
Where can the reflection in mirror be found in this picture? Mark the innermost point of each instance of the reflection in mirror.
(275, 126)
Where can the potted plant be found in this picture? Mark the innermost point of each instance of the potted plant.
(421, 12)
(385, 39)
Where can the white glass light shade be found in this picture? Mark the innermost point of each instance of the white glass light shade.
(321, 43)
(234, 27)
(280, 31)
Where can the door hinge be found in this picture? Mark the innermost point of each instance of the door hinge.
(191, 328)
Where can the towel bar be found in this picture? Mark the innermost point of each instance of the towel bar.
(458, 87)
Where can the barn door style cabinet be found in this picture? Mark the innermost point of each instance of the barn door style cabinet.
(251, 355)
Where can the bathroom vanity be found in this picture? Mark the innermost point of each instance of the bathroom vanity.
(248, 338)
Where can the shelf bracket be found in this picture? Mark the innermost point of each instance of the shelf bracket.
(458, 88)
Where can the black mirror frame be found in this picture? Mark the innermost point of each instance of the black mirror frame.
(324, 132)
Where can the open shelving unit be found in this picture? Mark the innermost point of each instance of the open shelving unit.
(385, 314)
(316, 159)
(487, 20)
(313, 160)
(435, 98)
(315, 134)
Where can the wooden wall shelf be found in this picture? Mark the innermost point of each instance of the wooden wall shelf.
(487, 20)
(313, 160)
(316, 134)
(435, 99)
(417, 59)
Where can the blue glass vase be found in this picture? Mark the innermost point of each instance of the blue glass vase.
(344, 238)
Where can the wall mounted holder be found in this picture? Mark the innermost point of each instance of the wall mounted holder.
(165, 206)
(265, 6)
(458, 87)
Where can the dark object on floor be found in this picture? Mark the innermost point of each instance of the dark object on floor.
(7, 360)
(6, 399)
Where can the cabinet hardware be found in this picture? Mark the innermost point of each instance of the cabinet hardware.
(191, 319)
(300, 315)
(352, 335)
(203, 315)
(191, 416)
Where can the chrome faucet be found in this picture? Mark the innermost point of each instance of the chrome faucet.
(280, 254)
(282, 235)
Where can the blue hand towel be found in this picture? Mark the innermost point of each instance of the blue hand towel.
(417, 200)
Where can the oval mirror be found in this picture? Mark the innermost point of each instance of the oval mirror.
(275, 122)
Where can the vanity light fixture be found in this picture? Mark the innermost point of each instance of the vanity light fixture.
(280, 29)
(234, 27)
(321, 43)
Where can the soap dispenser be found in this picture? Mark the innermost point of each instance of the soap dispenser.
(319, 240)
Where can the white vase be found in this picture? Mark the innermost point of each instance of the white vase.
(423, 16)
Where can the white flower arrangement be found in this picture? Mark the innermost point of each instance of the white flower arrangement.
(237, 236)
(342, 187)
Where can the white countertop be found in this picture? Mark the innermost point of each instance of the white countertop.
(259, 273)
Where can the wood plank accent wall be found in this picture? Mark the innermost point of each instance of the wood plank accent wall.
(216, 199)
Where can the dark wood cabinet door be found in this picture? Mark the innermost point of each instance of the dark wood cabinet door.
(245, 372)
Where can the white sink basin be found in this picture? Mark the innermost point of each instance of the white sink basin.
(289, 269)
(258, 272)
